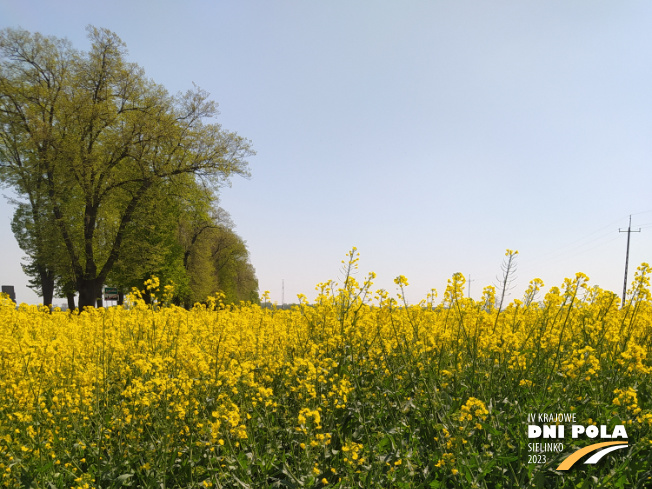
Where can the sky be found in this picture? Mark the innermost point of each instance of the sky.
(431, 135)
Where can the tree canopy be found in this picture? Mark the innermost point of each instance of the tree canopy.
(103, 158)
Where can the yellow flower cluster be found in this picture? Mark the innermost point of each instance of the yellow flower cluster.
(473, 408)
(627, 398)
(156, 385)
(304, 415)
(352, 453)
(582, 362)
(447, 459)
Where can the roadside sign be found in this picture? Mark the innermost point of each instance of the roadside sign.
(110, 293)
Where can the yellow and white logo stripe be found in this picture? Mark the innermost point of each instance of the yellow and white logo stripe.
(574, 457)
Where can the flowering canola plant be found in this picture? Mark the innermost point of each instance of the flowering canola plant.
(354, 389)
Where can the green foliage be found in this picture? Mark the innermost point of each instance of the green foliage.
(217, 260)
(94, 143)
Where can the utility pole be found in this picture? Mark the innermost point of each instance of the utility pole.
(283, 294)
(629, 231)
(469, 289)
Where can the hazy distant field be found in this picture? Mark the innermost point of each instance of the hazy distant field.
(356, 389)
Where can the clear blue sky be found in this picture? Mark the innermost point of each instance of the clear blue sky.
(432, 135)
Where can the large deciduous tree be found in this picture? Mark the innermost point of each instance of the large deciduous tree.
(92, 140)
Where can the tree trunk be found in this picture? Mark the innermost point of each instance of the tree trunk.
(89, 291)
(47, 285)
(71, 301)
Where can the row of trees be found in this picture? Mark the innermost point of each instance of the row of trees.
(116, 179)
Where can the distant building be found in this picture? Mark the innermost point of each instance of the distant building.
(9, 290)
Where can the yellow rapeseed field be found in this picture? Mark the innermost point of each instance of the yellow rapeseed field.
(354, 389)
